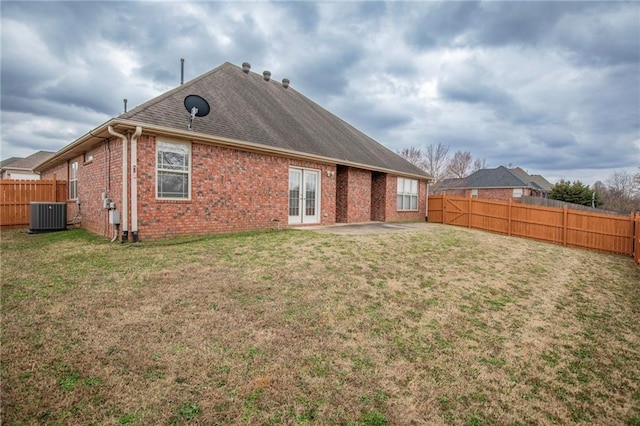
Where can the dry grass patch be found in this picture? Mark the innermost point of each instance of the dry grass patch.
(441, 325)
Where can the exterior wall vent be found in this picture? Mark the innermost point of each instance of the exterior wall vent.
(266, 75)
(44, 217)
(246, 67)
(285, 82)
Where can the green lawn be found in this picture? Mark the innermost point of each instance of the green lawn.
(441, 325)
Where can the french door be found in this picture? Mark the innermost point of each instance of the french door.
(304, 196)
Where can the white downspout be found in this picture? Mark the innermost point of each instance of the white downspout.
(134, 183)
(426, 206)
(125, 193)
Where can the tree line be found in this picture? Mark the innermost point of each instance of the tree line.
(619, 193)
(436, 161)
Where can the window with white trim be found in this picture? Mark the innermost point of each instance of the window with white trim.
(517, 192)
(474, 193)
(173, 170)
(407, 194)
(73, 180)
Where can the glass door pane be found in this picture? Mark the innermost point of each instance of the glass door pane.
(310, 195)
(311, 180)
(295, 198)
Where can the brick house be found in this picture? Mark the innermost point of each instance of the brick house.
(264, 157)
(500, 183)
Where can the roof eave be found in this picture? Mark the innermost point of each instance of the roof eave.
(79, 146)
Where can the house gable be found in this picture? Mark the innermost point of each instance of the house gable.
(245, 107)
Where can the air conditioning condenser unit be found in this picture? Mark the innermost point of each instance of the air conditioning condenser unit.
(45, 217)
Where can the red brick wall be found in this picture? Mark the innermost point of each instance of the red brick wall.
(342, 194)
(353, 195)
(378, 196)
(359, 196)
(496, 194)
(92, 182)
(392, 213)
(231, 190)
(457, 192)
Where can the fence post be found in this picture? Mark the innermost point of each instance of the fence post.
(636, 238)
(55, 189)
(632, 218)
(444, 207)
(469, 217)
(509, 218)
(565, 215)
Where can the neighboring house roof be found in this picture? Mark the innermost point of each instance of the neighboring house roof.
(542, 183)
(6, 162)
(27, 163)
(500, 177)
(247, 110)
(446, 184)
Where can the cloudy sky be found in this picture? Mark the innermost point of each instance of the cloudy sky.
(552, 87)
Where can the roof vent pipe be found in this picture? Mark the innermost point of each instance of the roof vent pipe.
(181, 70)
(246, 66)
(266, 75)
(285, 82)
(125, 104)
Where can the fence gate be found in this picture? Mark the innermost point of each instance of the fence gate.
(456, 211)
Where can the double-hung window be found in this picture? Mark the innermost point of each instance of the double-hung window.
(73, 180)
(173, 170)
(407, 194)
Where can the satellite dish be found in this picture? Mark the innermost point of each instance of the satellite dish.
(197, 106)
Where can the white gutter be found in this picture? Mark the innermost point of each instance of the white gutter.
(426, 201)
(134, 183)
(77, 147)
(125, 193)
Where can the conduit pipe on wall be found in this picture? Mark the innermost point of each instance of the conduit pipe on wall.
(134, 183)
(125, 192)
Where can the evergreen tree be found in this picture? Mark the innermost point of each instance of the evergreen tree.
(576, 192)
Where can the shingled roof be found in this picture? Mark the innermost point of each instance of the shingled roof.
(26, 163)
(245, 107)
(500, 177)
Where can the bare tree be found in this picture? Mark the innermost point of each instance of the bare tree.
(479, 164)
(620, 193)
(435, 160)
(413, 155)
(622, 183)
(459, 165)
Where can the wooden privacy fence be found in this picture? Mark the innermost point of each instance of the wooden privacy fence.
(575, 228)
(636, 244)
(16, 195)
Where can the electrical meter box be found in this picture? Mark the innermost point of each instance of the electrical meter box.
(114, 217)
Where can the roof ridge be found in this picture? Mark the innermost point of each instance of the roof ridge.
(514, 174)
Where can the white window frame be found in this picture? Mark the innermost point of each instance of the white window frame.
(73, 180)
(474, 193)
(166, 145)
(517, 192)
(407, 194)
